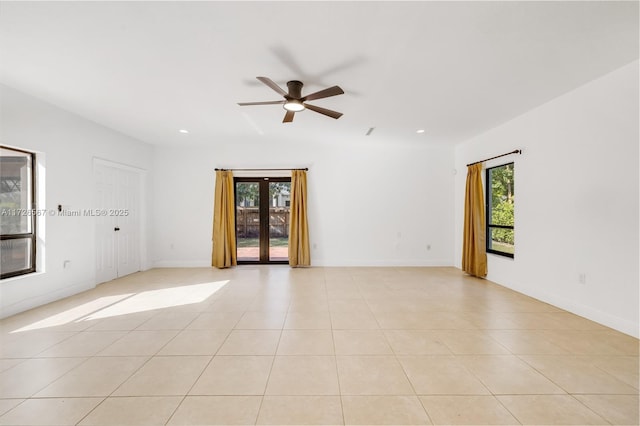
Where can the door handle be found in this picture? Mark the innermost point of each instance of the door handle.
(116, 229)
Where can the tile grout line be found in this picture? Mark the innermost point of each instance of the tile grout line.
(335, 354)
(395, 356)
(150, 357)
(572, 395)
(199, 376)
(273, 360)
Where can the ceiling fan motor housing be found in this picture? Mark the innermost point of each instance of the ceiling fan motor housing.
(295, 89)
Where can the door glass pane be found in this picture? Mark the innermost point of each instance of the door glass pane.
(248, 220)
(280, 197)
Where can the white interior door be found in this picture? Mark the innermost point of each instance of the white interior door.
(126, 218)
(117, 222)
(106, 267)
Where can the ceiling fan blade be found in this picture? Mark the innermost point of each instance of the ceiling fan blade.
(327, 112)
(288, 117)
(331, 91)
(273, 85)
(261, 103)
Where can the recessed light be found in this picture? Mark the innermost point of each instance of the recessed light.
(183, 131)
(420, 131)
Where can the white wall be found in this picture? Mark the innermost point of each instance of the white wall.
(576, 187)
(68, 143)
(371, 201)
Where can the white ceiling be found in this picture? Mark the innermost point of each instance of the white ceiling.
(455, 69)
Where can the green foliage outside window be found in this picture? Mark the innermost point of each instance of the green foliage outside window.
(501, 204)
(247, 194)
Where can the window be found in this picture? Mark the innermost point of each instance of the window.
(17, 212)
(500, 201)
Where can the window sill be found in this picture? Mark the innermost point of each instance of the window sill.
(21, 277)
(502, 255)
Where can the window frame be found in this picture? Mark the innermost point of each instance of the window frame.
(263, 188)
(488, 210)
(33, 209)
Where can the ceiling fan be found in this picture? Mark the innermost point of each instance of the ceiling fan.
(294, 101)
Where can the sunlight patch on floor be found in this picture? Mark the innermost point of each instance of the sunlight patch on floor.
(74, 314)
(130, 303)
(160, 299)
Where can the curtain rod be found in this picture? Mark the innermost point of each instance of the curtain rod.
(517, 151)
(260, 170)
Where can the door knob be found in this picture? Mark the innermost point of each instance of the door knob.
(116, 229)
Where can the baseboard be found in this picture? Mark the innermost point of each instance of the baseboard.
(36, 301)
(382, 263)
(319, 263)
(182, 264)
(604, 318)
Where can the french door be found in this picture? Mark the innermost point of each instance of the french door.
(262, 219)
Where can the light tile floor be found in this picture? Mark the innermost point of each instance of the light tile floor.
(274, 345)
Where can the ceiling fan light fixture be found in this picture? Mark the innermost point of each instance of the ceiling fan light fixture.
(293, 105)
(294, 101)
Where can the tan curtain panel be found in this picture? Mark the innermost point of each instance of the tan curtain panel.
(474, 256)
(224, 222)
(298, 228)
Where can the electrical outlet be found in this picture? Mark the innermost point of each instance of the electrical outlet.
(582, 278)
